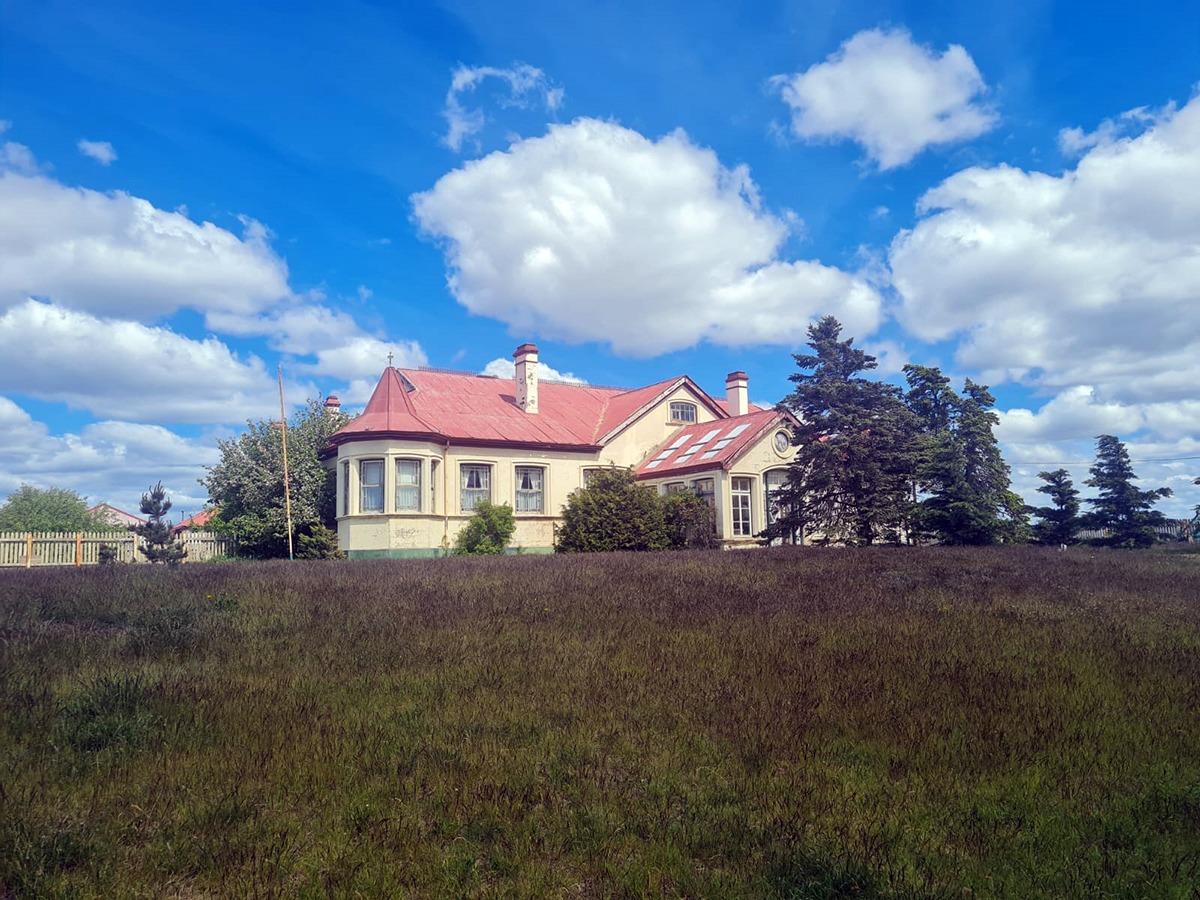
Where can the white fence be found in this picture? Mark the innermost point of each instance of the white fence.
(69, 548)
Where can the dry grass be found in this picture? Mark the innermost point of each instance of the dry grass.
(791, 723)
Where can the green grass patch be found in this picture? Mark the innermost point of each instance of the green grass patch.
(789, 723)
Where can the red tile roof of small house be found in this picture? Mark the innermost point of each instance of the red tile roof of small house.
(480, 410)
(199, 520)
(711, 445)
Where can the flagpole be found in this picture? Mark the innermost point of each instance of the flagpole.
(287, 488)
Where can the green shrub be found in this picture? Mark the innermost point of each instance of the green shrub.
(319, 542)
(690, 521)
(488, 532)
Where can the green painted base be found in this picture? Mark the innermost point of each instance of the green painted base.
(435, 552)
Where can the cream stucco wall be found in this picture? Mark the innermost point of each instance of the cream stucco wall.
(634, 444)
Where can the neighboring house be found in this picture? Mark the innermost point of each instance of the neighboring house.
(109, 514)
(431, 444)
(198, 521)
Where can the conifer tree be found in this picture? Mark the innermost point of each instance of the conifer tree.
(1122, 509)
(161, 545)
(1060, 522)
(960, 469)
(849, 481)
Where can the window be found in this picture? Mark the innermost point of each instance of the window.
(675, 487)
(741, 508)
(476, 485)
(345, 489)
(705, 491)
(408, 484)
(783, 440)
(775, 480)
(589, 475)
(529, 488)
(370, 486)
(683, 412)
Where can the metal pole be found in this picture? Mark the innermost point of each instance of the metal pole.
(287, 487)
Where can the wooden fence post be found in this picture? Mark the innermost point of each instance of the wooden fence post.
(78, 549)
(29, 550)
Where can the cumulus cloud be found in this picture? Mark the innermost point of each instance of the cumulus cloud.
(111, 461)
(101, 151)
(118, 254)
(1086, 278)
(527, 86)
(126, 370)
(890, 95)
(597, 233)
(507, 368)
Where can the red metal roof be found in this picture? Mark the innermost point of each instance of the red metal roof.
(199, 520)
(464, 408)
(710, 445)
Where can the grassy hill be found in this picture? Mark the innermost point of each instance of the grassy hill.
(782, 723)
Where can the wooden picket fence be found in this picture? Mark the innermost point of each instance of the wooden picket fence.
(69, 548)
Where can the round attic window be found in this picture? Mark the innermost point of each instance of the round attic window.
(782, 441)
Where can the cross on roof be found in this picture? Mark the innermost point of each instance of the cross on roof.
(389, 359)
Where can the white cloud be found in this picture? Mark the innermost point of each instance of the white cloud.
(890, 95)
(523, 82)
(1088, 278)
(16, 157)
(596, 233)
(109, 461)
(101, 151)
(116, 254)
(507, 368)
(127, 370)
(366, 357)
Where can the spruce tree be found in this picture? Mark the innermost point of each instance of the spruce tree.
(1122, 509)
(849, 481)
(960, 471)
(160, 544)
(1060, 522)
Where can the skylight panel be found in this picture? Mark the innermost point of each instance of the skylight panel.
(711, 453)
(738, 430)
(654, 463)
(722, 444)
(679, 442)
(708, 437)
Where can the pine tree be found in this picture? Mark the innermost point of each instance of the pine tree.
(1122, 509)
(161, 545)
(849, 481)
(1060, 522)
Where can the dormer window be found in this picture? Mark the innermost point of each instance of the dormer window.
(683, 412)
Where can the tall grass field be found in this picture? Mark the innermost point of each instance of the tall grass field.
(790, 722)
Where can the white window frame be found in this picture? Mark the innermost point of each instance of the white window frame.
(364, 486)
(408, 484)
(346, 487)
(698, 487)
(682, 411)
(530, 500)
(674, 487)
(741, 493)
(469, 496)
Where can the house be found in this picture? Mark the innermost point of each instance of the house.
(110, 515)
(198, 521)
(431, 443)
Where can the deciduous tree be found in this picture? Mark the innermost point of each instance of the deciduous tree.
(247, 484)
(49, 509)
(488, 532)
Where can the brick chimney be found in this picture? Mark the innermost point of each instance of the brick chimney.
(737, 393)
(332, 405)
(527, 377)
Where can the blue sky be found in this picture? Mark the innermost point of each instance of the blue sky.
(193, 194)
